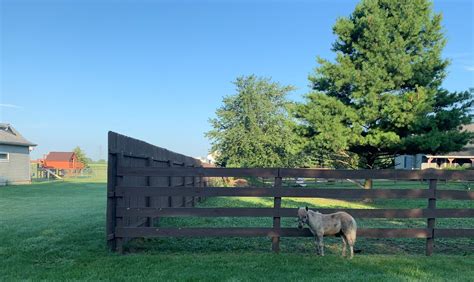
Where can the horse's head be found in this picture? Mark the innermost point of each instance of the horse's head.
(302, 217)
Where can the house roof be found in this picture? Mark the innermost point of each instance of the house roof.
(59, 156)
(467, 151)
(10, 136)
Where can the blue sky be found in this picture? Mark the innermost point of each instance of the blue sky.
(157, 70)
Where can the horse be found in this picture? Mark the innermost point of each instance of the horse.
(340, 224)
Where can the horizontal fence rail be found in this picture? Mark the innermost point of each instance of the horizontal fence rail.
(287, 232)
(264, 232)
(300, 172)
(295, 192)
(291, 212)
(147, 183)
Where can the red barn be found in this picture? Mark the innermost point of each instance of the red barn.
(62, 160)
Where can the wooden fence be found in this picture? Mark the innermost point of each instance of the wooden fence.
(128, 152)
(144, 185)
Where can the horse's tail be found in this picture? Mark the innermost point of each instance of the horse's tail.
(354, 223)
(351, 232)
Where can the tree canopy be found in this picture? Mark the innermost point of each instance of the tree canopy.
(253, 128)
(81, 156)
(382, 95)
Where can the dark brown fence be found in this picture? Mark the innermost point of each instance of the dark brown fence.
(132, 153)
(140, 192)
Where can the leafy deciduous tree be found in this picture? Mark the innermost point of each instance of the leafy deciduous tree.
(253, 128)
(81, 156)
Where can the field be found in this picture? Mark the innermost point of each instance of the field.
(56, 231)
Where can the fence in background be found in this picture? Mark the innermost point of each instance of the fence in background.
(147, 182)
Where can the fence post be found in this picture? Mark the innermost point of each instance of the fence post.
(276, 216)
(149, 220)
(431, 221)
(111, 200)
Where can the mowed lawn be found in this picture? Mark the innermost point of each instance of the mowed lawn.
(56, 231)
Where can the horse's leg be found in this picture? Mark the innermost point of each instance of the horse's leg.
(344, 241)
(350, 237)
(316, 241)
(320, 244)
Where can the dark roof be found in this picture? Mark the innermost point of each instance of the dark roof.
(468, 150)
(9, 136)
(59, 156)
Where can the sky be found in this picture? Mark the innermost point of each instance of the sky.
(72, 70)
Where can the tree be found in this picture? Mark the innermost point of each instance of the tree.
(253, 127)
(81, 156)
(382, 95)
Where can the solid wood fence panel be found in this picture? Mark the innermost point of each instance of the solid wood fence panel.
(146, 183)
(132, 153)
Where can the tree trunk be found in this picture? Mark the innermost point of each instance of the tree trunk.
(370, 165)
(368, 183)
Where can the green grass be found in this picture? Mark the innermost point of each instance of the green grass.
(458, 246)
(56, 231)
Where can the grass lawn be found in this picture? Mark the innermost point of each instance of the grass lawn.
(56, 231)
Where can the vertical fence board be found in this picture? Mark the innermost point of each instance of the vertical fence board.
(148, 199)
(120, 204)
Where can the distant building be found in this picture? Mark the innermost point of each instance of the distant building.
(66, 161)
(464, 158)
(14, 156)
(409, 161)
(210, 159)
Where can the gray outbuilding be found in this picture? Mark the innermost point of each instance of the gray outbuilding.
(463, 158)
(14, 156)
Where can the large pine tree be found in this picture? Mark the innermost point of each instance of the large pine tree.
(382, 95)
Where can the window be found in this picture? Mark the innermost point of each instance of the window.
(4, 157)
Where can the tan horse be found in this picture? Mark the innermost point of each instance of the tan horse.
(339, 224)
